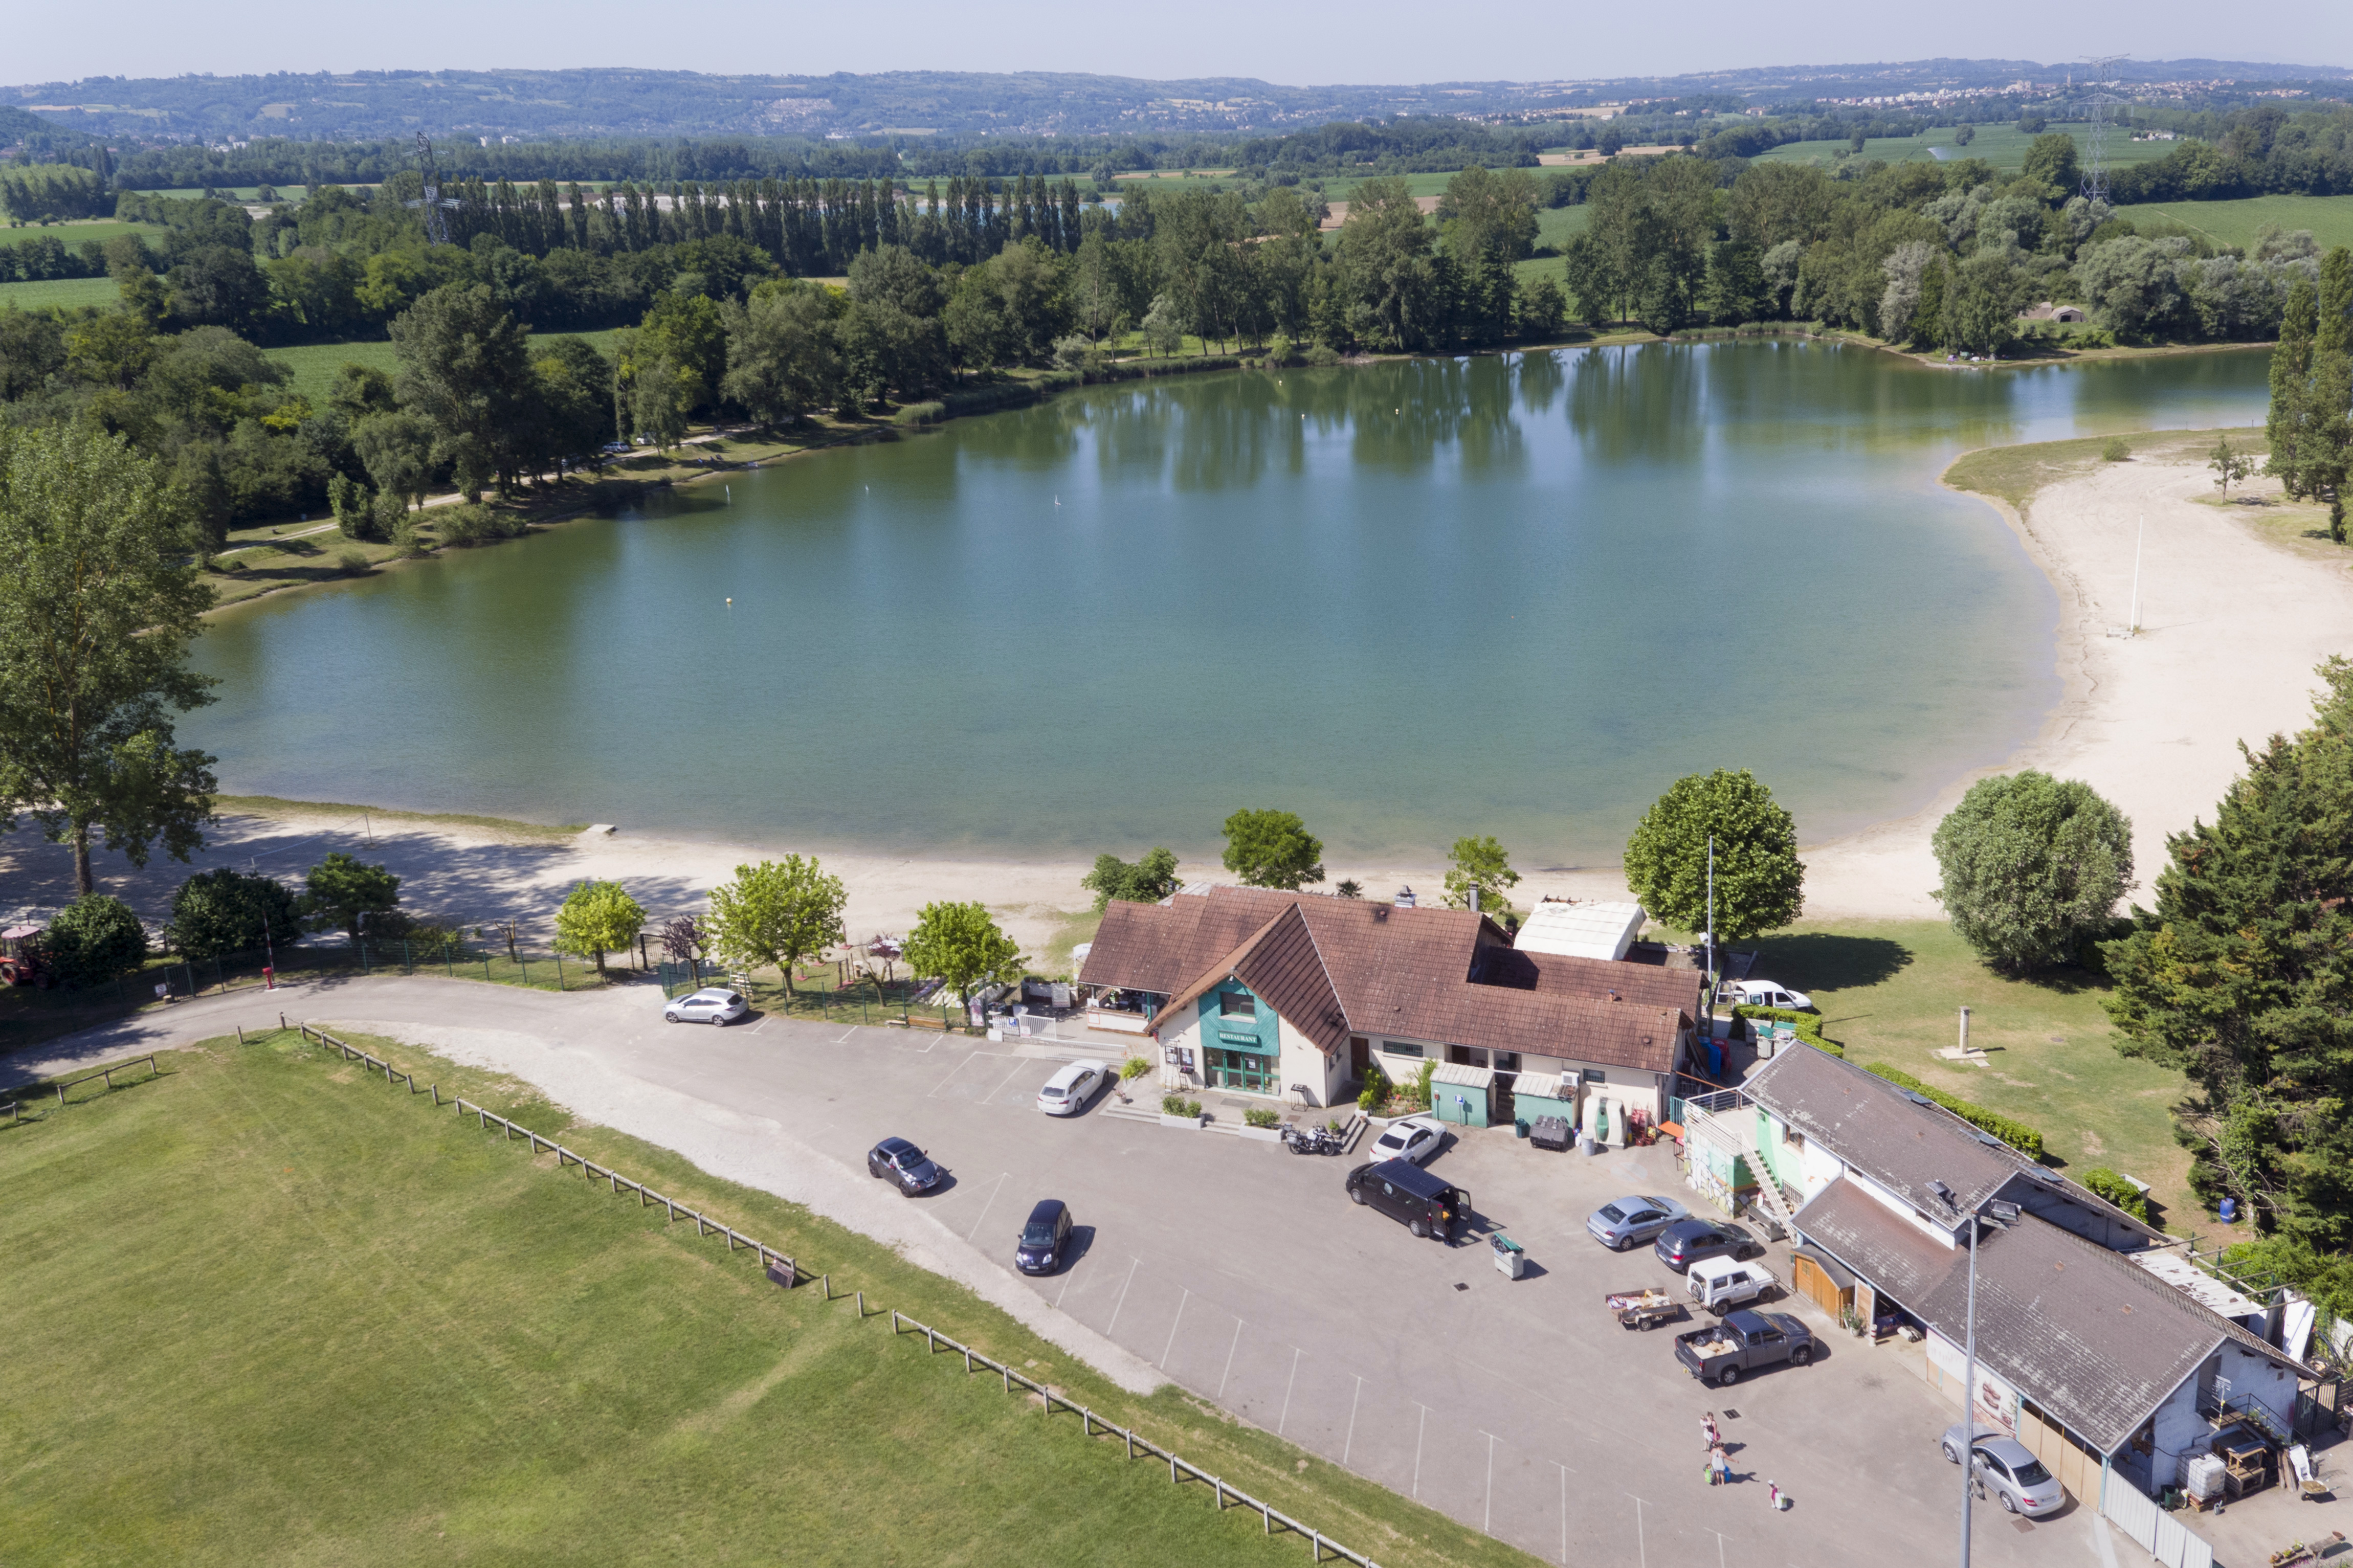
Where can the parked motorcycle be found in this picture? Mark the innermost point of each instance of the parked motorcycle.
(1300, 1141)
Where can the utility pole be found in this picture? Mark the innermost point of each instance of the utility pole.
(2132, 627)
(1711, 936)
(436, 225)
(2096, 163)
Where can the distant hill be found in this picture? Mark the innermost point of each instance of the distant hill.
(563, 104)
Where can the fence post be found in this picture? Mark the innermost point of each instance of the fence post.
(524, 964)
(486, 969)
(559, 970)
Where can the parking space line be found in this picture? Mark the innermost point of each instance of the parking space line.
(984, 1207)
(846, 1033)
(1115, 1306)
(951, 1073)
(1564, 1520)
(1488, 1525)
(1286, 1391)
(1641, 1546)
(1350, 1446)
(1172, 1330)
(1421, 1427)
(764, 1023)
(1009, 1077)
(1229, 1360)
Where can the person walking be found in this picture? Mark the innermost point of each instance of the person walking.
(1772, 1496)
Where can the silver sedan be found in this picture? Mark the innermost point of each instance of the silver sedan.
(2009, 1470)
(708, 1005)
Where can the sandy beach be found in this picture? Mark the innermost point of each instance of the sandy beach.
(2236, 611)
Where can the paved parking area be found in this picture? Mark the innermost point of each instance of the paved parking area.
(1244, 1275)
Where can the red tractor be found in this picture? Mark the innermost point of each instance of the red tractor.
(21, 961)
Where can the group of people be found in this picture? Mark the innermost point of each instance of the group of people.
(1719, 1461)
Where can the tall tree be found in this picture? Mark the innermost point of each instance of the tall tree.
(98, 601)
(1147, 881)
(1480, 864)
(2312, 412)
(1273, 849)
(1760, 882)
(341, 891)
(778, 913)
(2032, 863)
(597, 917)
(960, 944)
(465, 368)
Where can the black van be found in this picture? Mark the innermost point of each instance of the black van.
(1402, 1190)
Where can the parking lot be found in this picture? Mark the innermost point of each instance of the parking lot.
(1245, 1276)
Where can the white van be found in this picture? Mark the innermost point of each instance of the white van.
(1720, 1284)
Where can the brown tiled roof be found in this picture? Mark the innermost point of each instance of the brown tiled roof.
(2084, 1332)
(1335, 966)
(1650, 983)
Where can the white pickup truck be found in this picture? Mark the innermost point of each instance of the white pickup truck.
(1720, 1284)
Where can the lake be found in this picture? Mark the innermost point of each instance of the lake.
(1515, 595)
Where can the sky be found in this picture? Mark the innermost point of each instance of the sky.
(1303, 42)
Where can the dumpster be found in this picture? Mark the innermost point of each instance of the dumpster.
(1550, 1132)
(1511, 1257)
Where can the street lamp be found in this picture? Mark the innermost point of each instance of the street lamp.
(2002, 1216)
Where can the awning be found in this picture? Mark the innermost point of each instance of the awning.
(1840, 1275)
(1462, 1076)
(18, 933)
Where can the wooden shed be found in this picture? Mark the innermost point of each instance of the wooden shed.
(1821, 1279)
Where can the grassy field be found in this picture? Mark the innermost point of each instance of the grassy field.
(71, 293)
(314, 364)
(2003, 146)
(1892, 992)
(268, 1311)
(2329, 218)
(73, 236)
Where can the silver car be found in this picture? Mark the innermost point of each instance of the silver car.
(708, 1005)
(2008, 1470)
(1622, 1222)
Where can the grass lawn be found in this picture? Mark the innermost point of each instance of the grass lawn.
(269, 1311)
(71, 293)
(314, 364)
(2331, 219)
(2003, 146)
(1892, 992)
(73, 234)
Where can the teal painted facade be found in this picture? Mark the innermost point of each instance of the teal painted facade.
(1241, 1051)
(1528, 1106)
(1460, 1104)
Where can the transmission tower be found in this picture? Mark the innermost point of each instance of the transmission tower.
(437, 226)
(2096, 163)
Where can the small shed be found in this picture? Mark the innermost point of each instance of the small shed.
(1821, 1279)
(2067, 313)
(1462, 1095)
(1592, 928)
(1544, 1094)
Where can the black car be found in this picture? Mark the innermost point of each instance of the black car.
(905, 1165)
(1687, 1241)
(1045, 1241)
(1427, 1204)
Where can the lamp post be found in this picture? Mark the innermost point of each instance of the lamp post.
(2002, 1216)
(1711, 937)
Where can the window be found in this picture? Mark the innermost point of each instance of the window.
(1793, 1139)
(1595, 1075)
(1236, 1005)
(1399, 1048)
(1507, 1061)
(1466, 1056)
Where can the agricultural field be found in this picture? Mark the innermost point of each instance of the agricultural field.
(2003, 146)
(74, 235)
(267, 1310)
(2329, 218)
(69, 293)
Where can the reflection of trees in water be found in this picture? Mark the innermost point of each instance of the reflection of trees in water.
(1540, 377)
(1201, 437)
(1638, 403)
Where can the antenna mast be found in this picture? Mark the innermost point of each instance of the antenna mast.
(437, 226)
(2095, 165)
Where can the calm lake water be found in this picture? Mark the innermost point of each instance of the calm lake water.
(1512, 595)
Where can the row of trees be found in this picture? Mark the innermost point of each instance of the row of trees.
(2310, 422)
(48, 193)
(1938, 255)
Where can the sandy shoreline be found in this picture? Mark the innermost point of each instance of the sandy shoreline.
(2236, 611)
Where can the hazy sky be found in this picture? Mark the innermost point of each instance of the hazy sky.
(1300, 42)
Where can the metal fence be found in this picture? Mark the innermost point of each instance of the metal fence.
(787, 1273)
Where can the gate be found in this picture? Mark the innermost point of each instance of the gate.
(2160, 1535)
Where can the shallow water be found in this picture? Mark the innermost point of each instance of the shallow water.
(1512, 595)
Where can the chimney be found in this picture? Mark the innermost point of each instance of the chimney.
(1405, 897)
(1474, 897)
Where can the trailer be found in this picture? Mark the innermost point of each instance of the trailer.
(1645, 1308)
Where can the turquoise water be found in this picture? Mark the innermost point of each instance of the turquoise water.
(1512, 595)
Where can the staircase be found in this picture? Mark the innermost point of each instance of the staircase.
(1769, 1190)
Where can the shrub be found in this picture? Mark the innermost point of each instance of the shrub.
(468, 524)
(1378, 1089)
(225, 911)
(2115, 452)
(2111, 1186)
(930, 413)
(1416, 1094)
(1261, 1116)
(354, 562)
(1175, 1104)
(94, 939)
(1323, 355)
(2017, 1134)
(1133, 1068)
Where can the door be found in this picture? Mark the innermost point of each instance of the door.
(1360, 1057)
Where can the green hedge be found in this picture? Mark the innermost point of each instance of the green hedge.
(2017, 1134)
(1809, 1024)
(2112, 1185)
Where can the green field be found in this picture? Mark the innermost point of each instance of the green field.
(1892, 992)
(267, 1310)
(2003, 146)
(73, 235)
(2331, 219)
(69, 292)
(314, 364)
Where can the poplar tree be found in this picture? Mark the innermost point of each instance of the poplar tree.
(2312, 391)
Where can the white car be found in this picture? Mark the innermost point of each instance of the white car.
(1072, 1084)
(709, 1005)
(1414, 1138)
(1765, 994)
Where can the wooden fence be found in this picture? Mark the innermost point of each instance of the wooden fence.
(16, 1106)
(785, 1272)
